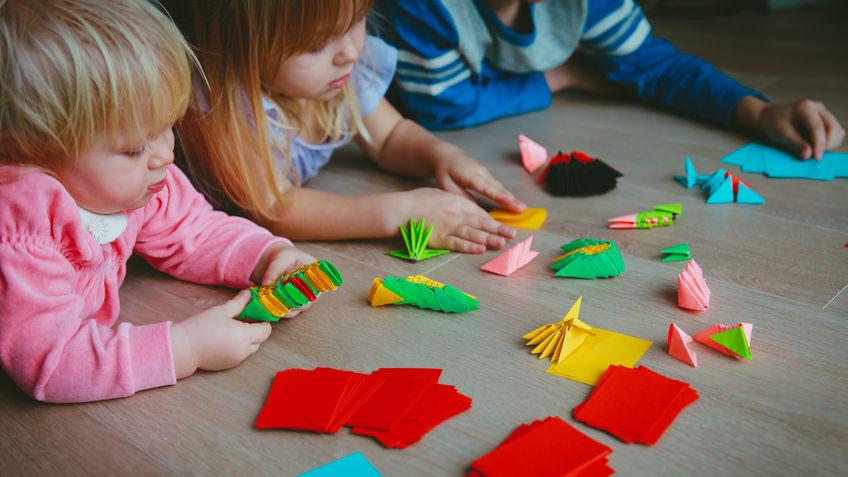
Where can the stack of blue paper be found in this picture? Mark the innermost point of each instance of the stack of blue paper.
(778, 164)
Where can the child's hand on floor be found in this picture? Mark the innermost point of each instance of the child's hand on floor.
(213, 340)
(805, 127)
(458, 223)
(458, 173)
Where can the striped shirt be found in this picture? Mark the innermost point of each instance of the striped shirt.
(459, 66)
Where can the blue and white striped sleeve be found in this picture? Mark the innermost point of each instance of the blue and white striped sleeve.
(435, 86)
(618, 37)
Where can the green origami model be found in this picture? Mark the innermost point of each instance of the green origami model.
(589, 258)
(677, 253)
(421, 292)
(735, 340)
(415, 238)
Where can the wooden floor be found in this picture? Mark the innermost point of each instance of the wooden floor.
(776, 266)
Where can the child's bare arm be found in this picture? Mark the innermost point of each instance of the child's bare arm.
(459, 223)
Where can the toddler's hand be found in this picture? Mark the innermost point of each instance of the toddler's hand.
(458, 223)
(213, 340)
(457, 172)
(806, 127)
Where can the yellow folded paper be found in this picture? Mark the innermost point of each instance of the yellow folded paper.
(531, 218)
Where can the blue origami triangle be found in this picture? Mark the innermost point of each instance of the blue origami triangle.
(715, 180)
(746, 195)
(723, 194)
(691, 173)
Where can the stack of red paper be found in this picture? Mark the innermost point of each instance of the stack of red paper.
(635, 405)
(396, 406)
(546, 448)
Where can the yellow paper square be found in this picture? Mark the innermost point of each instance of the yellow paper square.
(589, 361)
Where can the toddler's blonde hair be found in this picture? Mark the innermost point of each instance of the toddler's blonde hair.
(73, 70)
(240, 44)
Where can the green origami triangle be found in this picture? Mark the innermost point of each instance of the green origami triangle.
(676, 209)
(415, 239)
(677, 253)
(735, 340)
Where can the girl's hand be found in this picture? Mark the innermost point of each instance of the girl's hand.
(805, 127)
(213, 340)
(278, 260)
(458, 223)
(456, 172)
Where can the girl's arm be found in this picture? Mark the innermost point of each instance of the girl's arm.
(184, 237)
(401, 146)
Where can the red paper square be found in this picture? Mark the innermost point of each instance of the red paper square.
(401, 389)
(635, 405)
(550, 448)
(438, 404)
(301, 399)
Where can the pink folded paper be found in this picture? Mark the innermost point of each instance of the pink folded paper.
(513, 259)
(678, 346)
(533, 155)
(692, 291)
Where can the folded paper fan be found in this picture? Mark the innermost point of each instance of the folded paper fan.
(662, 215)
(692, 290)
(415, 238)
(589, 258)
(421, 292)
(533, 155)
(558, 340)
(294, 290)
(578, 175)
(513, 259)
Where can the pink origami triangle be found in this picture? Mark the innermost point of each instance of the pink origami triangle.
(533, 154)
(678, 346)
(511, 260)
(692, 291)
(704, 336)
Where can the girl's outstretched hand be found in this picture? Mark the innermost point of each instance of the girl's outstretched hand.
(805, 127)
(458, 173)
(213, 340)
(458, 222)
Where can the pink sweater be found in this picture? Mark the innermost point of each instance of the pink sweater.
(59, 287)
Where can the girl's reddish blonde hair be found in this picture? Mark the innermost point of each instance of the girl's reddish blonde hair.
(240, 45)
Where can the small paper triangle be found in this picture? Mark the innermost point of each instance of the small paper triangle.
(533, 154)
(734, 340)
(678, 346)
(380, 295)
(723, 194)
(746, 195)
(691, 173)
